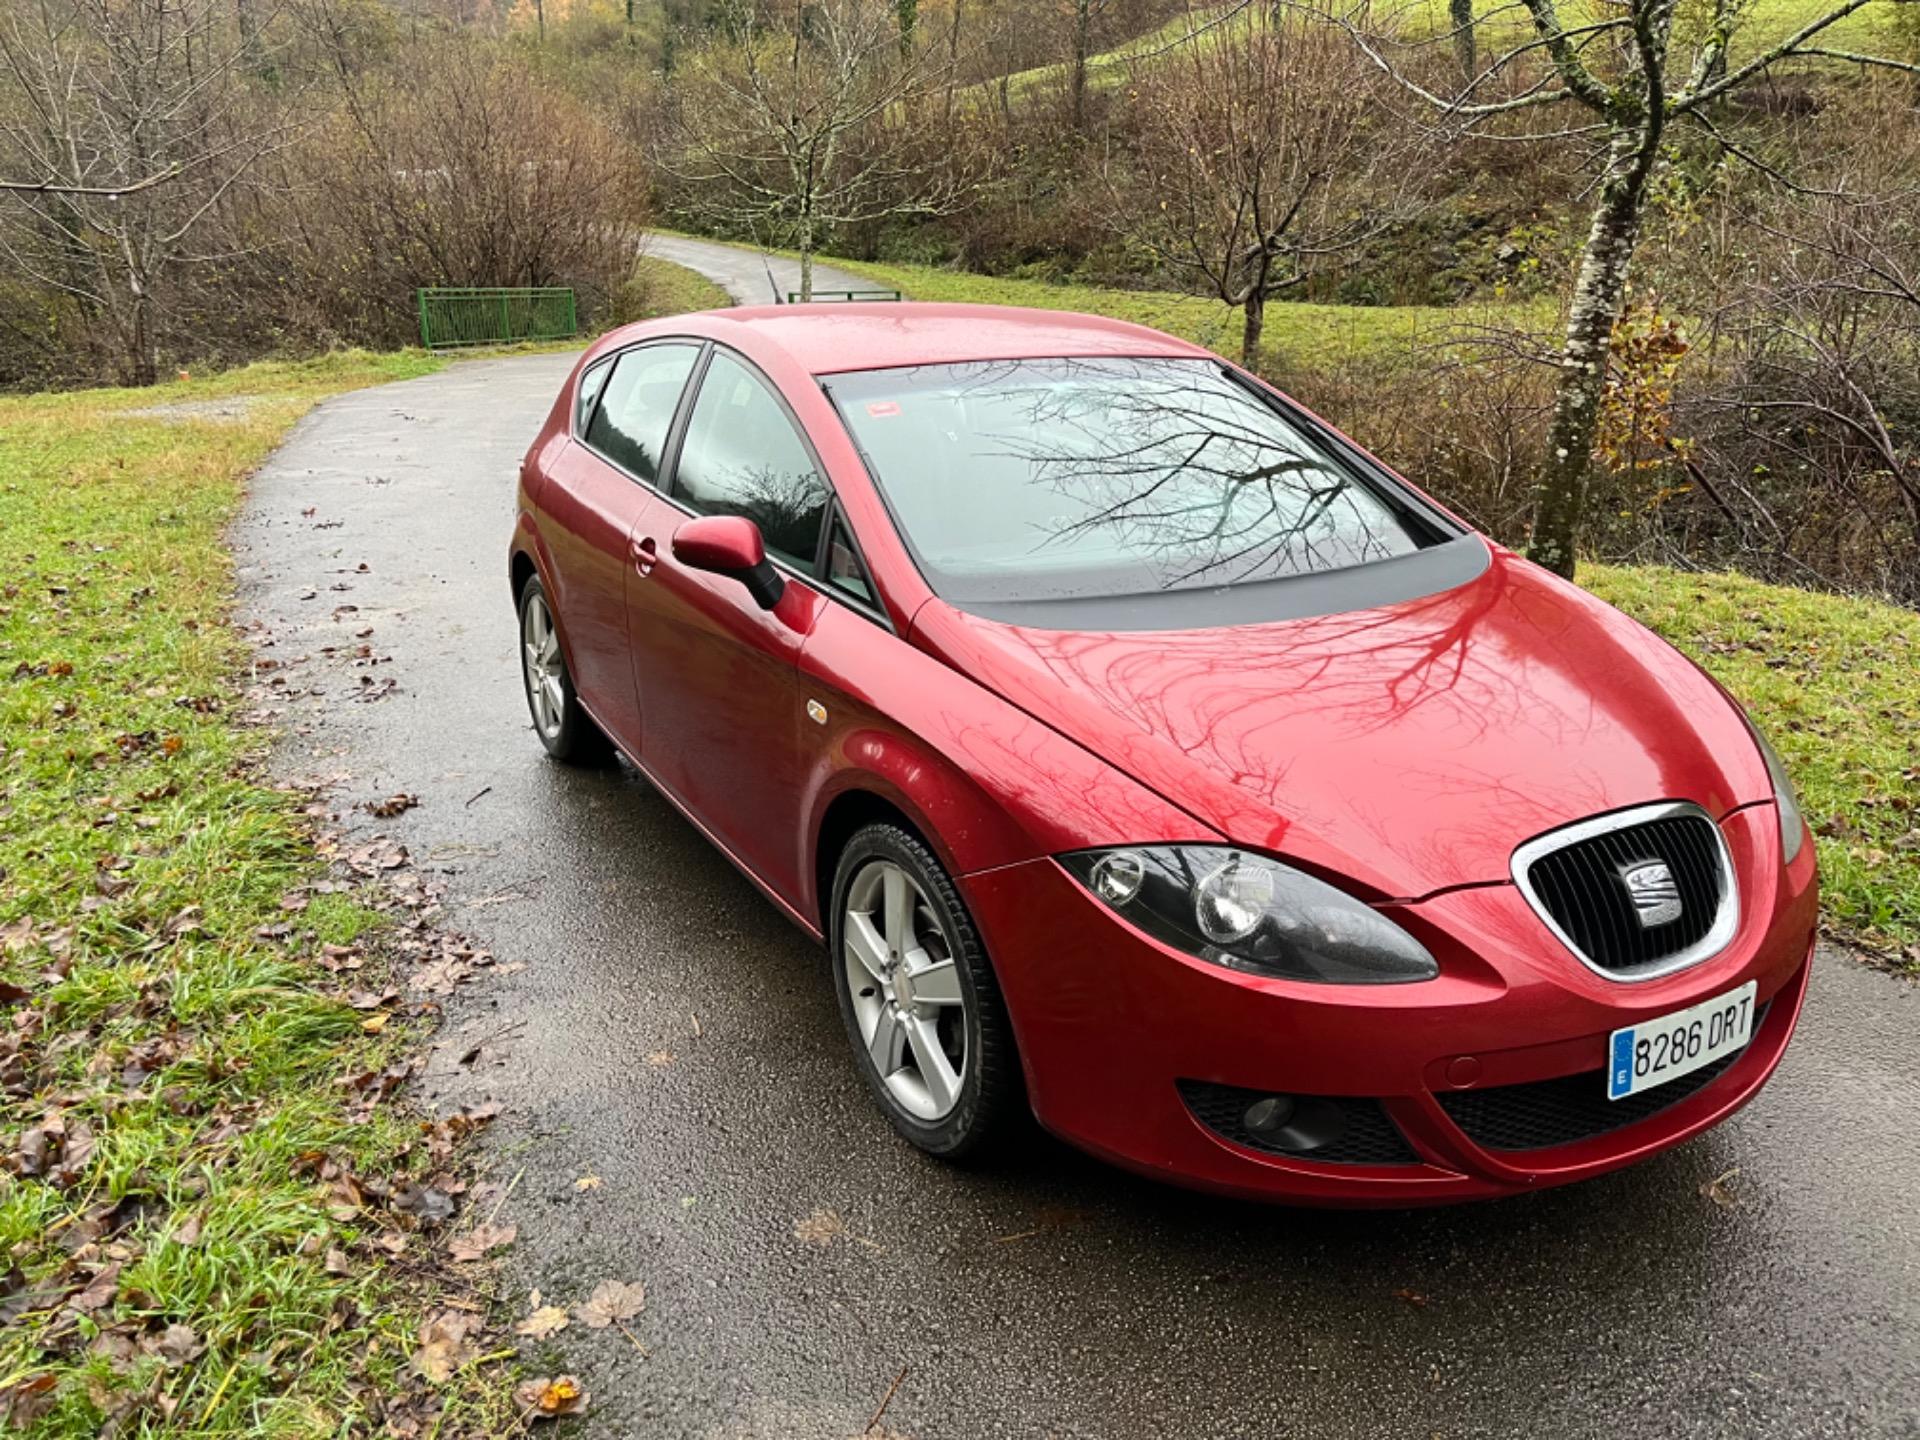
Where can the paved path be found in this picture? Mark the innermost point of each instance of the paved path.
(743, 274)
(1050, 1296)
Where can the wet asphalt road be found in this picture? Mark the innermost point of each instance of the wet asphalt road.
(752, 279)
(672, 1035)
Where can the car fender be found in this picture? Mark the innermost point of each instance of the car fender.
(985, 783)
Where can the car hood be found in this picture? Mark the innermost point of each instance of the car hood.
(1408, 748)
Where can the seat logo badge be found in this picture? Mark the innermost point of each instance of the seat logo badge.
(816, 712)
(1656, 896)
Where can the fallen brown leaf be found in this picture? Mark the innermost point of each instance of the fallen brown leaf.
(544, 1399)
(446, 1344)
(26, 1401)
(546, 1321)
(479, 1240)
(822, 1227)
(1720, 1190)
(176, 1346)
(612, 1301)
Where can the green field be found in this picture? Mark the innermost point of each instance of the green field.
(1501, 26)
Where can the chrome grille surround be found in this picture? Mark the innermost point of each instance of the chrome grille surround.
(1726, 918)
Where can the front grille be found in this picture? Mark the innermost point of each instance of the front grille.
(1546, 1113)
(1366, 1136)
(1576, 880)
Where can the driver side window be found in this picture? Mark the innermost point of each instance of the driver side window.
(742, 456)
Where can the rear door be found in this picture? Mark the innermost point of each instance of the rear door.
(597, 493)
(723, 713)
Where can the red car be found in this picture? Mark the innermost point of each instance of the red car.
(1149, 755)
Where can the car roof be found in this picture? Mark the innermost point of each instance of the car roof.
(832, 338)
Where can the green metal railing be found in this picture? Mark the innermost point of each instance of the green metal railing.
(495, 316)
(793, 296)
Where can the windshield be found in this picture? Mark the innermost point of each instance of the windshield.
(1068, 479)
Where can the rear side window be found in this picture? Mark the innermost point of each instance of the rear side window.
(637, 404)
(742, 456)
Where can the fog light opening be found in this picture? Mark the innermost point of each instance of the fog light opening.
(1298, 1123)
(1265, 1117)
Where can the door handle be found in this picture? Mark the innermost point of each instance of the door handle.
(644, 553)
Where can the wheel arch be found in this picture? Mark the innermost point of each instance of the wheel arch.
(846, 814)
(520, 569)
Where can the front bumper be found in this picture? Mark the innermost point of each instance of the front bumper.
(1110, 1024)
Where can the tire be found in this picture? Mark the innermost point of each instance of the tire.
(958, 1009)
(563, 726)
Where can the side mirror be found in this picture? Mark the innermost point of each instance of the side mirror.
(730, 545)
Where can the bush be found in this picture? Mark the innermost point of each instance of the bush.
(459, 164)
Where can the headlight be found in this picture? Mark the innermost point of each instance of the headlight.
(1247, 912)
(1793, 826)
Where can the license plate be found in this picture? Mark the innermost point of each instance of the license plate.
(1656, 1051)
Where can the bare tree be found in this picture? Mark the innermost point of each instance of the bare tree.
(1260, 153)
(1623, 69)
(821, 115)
(131, 124)
(1802, 417)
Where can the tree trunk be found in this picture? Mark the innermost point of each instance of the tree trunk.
(1255, 309)
(142, 366)
(953, 58)
(1461, 14)
(1560, 498)
(806, 261)
(1082, 41)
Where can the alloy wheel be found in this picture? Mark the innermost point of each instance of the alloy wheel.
(541, 663)
(906, 990)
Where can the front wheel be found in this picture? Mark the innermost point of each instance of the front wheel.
(919, 998)
(563, 726)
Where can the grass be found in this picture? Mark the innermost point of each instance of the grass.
(1766, 22)
(1502, 25)
(141, 852)
(1293, 329)
(660, 287)
(1835, 683)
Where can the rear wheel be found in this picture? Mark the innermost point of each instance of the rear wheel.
(563, 726)
(921, 1006)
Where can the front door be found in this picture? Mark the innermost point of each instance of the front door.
(723, 719)
(596, 493)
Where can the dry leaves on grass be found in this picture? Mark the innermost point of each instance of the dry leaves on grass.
(175, 1346)
(25, 1402)
(612, 1302)
(447, 1342)
(545, 1399)
(56, 1150)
